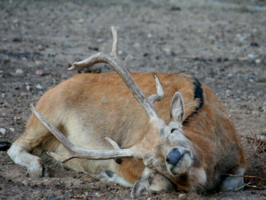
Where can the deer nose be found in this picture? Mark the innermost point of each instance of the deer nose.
(173, 156)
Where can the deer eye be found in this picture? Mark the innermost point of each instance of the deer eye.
(173, 130)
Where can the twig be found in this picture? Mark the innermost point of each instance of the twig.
(81, 196)
(86, 195)
(102, 195)
(246, 176)
(255, 186)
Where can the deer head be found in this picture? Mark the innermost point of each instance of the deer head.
(164, 149)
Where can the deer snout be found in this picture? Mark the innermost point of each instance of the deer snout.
(178, 160)
(174, 156)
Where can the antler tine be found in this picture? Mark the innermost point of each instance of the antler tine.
(113, 60)
(76, 152)
(160, 93)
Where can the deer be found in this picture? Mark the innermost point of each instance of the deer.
(173, 134)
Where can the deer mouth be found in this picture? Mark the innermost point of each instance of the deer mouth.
(178, 161)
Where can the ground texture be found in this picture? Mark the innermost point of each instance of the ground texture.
(222, 43)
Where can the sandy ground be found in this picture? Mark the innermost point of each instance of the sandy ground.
(221, 43)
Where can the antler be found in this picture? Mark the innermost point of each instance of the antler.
(113, 60)
(76, 152)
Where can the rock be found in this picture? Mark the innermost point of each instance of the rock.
(258, 61)
(19, 72)
(39, 72)
(12, 129)
(25, 182)
(23, 94)
(181, 196)
(28, 87)
(38, 86)
(136, 45)
(100, 40)
(41, 48)
(252, 56)
(3, 131)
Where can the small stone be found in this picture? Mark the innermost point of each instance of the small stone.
(23, 94)
(25, 182)
(12, 129)
(100, 40)
(252, 56)
(3, 131)
(4, 114)
(181, 196)
(41, 48)
(19, 72)
(258, 61)
(39, 72)
(28, 87)
(81, 20)
(136, 45)
(149, 35)
(16, 119)
(39, 87)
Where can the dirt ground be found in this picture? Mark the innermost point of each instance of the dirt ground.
(222, 43)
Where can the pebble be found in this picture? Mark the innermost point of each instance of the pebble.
(100, 40)
(181, 196)
(252, 56)
(3, 131)
(19, 72)
(149, 35)
(12, 129)
(258, 61)
(38, 86)
(28, 87)
(23, 94)
(41, 48)
(136, 45)
(39, 72)
(25, 182)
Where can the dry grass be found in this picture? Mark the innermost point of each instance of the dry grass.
(255, 177)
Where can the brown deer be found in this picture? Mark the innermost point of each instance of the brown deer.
(107, 128)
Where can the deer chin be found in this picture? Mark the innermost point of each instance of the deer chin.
(183, 165)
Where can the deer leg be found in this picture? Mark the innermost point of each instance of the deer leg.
(19, 152)
(233, 183)
(113, 177)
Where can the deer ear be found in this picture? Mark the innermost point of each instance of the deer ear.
(177, 108)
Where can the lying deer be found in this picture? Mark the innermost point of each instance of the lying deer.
(181, 138)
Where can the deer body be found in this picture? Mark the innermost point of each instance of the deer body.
(89, 107)
(191, 153)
